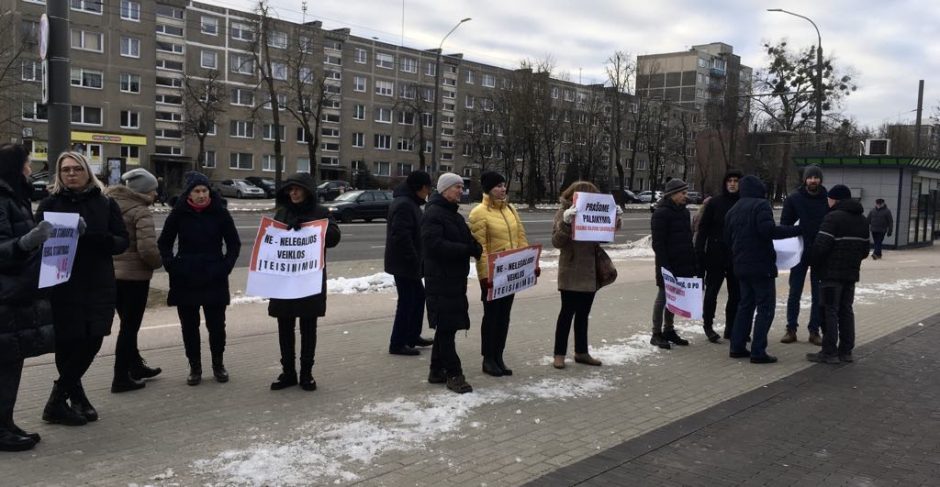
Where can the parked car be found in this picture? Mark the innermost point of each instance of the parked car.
(329, 190)
(364, 204)
(40, 182)
(648, 196)
(694, 197)
(239, 188)
(264, 183)
(625, 197)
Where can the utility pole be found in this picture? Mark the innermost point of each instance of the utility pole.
(59, 104)
(435, 166)
(920, 110)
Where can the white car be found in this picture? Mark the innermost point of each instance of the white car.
(650, 196)
(240, 188)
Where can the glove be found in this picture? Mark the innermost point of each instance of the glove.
(476, 250)
(82, 226)
(35, 237)
(568, 215)
(619, 211)
(538, 271)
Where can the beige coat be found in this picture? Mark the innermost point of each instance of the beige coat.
(142, 257)
(576, 266)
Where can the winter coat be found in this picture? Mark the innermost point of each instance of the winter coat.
(294, 216)
(842, 243)
(750, 230)
(711, 249)
(84, 305)
(199, 270)
(403, 234)
(577, 269)
(809, 210)
(142, 256)
(672, 240)
(880, 220)
(25, 313)
(496, 226)
(447, 247)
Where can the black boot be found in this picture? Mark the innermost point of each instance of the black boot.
(124, 382)
(195, 373)
(306, 376)
(81, 404)
(502, 365)
(288, 377)
(218, 368)
(12, 441)
(58, 411)
(674, 337)
(140, 371)
(710, 333)
(437, 376)
(660, 341)
(16, 429)
(491, 368)
(459, 384)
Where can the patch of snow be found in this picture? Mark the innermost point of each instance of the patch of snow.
(167, 474)
(374, 283)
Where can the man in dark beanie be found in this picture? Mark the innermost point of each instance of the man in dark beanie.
(403, 261)
(881, 224)
(838, 252)
(808, 206)
(671, 227)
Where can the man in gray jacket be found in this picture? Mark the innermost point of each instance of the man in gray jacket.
(881, 224)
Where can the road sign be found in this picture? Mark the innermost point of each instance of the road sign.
(43, 36)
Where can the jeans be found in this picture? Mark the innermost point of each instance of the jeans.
(215, 323)
(839, 325)
(757, 293)
(131, 303)
(878, 238)
(713, 280)
(797, 279)
(495, 327)
(660, 312)
(287, 341)
(409, 315)
(444, 353)
(577, 305)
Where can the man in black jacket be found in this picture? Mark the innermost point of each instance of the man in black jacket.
(715, 256)
(671, 227)
(839, 249)
(881, 223)
(403, 261)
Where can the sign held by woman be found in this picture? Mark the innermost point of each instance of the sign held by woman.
(596, 217)
(512, 271)
(287, 264)
(58, 252)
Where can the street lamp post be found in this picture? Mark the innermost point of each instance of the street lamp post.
(819, 65)
(437, 99)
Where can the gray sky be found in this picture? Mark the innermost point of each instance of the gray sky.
(888, 44)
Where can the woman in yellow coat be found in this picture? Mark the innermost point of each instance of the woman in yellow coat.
(497, 227)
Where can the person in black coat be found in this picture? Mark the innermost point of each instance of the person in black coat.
(750, 230)
(25, 314)
(403, 261)
(297, 204)
(82, 307)
(199, 270)
(714, 256)
(448, 246)
(671, 226)
(838, 252)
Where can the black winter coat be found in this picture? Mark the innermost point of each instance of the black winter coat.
(880, 220)
(403, 234)
(25, 314)
(809, 210)
(295, 216)
(84, 305)
(672, 240)
(750, 229)
(842, 243)
(448, 246)
(199, 271)
(711, 249)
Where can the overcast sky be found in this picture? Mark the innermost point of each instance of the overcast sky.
(888, 44)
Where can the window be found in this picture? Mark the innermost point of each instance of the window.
(170, 82)
(333, 44)
(168, 11)
(358, 139)
(334, 89)
(359, 83)
(406, 144)
(130, 46)
(328, 74)
(450, 82)
(362, 56)
(427, 120)
(329, 161)
(277, 39)
(334, 60)
(554, 92)
(489, 80)
(168, 133)
(131, 153)
(168, 150)
(90, 6)
(242, 32)
(358, 165)
(383, 115)
(267, 132)
(32, 110)
(169, 116)
(281, 101)
(29, 31)
(359, 112)
(403, 168)
(279, 70)
(384, 88)
(303, 164)
(171, 65)
(569, 95)
(241, 63)
(208, 159)
(87, 78)
(385, 61)
(469, 76)
(242, 129)
(428, 146)
(209, 25)
(171, 47)
(170, 30)
(169, 99)
(427, 94)
(130, 83)
(86, 115)
(407, 92)
(267, 163)
(409, 65)
(329, 146)
(209, 59)
(383, 142)
(450, 94)
(329, 118)
(468, 102)
(31, 71)
(382, 169)
(87, 40)
(130, 10)
(302, 135)
(241, 160)
(329, 132)
(242, 96)
(406, 117)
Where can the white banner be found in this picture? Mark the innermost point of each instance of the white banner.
(58, 252)
(287, 264)
(512, 271)
(596, 217)
(683, 295)
(789, 251)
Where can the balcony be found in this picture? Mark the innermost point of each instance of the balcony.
(716, 72)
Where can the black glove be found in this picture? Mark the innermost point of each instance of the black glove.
(476, 250)
(35, 237)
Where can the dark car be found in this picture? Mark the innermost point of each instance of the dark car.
(361, 204)
(40, 182)
(329, 190)
(625, 197)
(264, 183)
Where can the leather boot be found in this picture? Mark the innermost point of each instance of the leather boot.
(491, 368)
(12, 441)
(710, 333)
(306, 376)
(218, 368)
(124, 382)
(195, 373)
(81, 404)
(16, 429)
(502, 365)
(288, 377)
(58, 411)
(140, 371)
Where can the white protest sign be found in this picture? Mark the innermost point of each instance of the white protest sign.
(683, 295)
(287, 264)
(58, 252)
(596, 217)
(789, 251)
(512, 271)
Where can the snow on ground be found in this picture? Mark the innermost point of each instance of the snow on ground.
(375, 283)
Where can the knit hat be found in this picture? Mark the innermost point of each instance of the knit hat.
(733, 173)
(417, 180)
(675, 186)
(490, 180)
(139, 180)
(812, 171)
(193, 179)
(447, 180)
(840, 192)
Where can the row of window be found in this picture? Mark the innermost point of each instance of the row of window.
(245, 161)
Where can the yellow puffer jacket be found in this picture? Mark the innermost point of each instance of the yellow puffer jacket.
(497, 227)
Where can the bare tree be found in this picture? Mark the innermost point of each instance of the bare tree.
(16, 65)
(415, 102)
(621, 73)
(203, 103)
(268, 71)
(589, 133)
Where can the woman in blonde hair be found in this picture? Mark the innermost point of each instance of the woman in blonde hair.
(82, 307)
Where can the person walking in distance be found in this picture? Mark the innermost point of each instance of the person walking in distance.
(199, 225)
(714, 256)
(671, 226)
(882, 224)
(807, 205)
(297, 204)
(133, 270)
(839, 249)
(403, 262)
(447, 248)
(750, 231)
(496, 226)
(82, 307)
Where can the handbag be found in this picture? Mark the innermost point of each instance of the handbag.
(604, 271)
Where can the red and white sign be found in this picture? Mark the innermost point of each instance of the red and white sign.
(596, 217)
(683, 295)
(287, 264)
(512, 271)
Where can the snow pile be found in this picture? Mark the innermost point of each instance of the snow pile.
(638, 248)
(375, 283)
(240, 298)
(865, 293)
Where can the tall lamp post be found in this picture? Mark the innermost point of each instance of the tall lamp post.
(819, 65)
(437, 99)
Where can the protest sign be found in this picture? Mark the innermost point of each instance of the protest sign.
(512, 271)
(596, 217)
(287, 264)
(58, 252)
(789, 251)
(683, 295)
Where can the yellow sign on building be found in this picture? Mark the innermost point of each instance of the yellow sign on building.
(102, 138)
